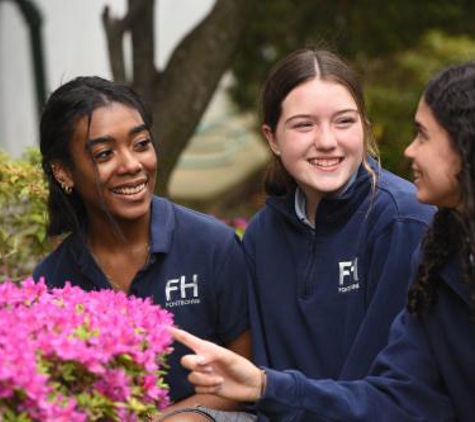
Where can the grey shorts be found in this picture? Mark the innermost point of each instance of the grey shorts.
(215, 415)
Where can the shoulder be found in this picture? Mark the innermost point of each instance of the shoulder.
(396, 198)
(54, 261)
(453, 275)
(264, 220)
(275, 210)
(261, 216)
(197, 226)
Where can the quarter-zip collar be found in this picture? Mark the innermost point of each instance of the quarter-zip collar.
(331, 209)
(301, 201)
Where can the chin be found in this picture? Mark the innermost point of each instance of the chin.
(329, 190)
(130, 218)
(133, 213)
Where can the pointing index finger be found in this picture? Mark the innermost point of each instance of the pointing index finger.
(189, 340)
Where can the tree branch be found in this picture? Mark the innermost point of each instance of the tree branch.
(181, 93)
(188, 82)
(115, 29)
(143, 48)
(114, 33)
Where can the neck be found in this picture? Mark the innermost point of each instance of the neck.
(120, 250)
(105, 235)
(312, 199)
(311, 211)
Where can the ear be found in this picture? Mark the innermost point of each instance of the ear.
(271, 139)
(63, 175)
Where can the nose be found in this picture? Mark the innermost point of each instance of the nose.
(409, 151)
(325, 139)
(129, 163)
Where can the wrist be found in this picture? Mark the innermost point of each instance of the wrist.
(263, 382)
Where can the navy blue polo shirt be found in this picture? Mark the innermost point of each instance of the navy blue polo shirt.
(196, 271)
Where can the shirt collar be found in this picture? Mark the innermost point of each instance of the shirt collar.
(162, 225)
(300, 205)
(300, 202)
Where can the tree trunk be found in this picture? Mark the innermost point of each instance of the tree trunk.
(180, 94)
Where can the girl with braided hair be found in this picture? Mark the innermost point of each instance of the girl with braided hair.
(427, 370)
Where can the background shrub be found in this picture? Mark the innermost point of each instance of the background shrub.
(23, 192)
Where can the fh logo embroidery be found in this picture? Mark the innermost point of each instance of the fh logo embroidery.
(348, 279)
(179, 292)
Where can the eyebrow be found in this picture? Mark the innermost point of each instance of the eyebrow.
(137, 129)
(420, 127)
(307, 116)
(103, 139)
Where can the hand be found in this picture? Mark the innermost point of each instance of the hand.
(216, 370)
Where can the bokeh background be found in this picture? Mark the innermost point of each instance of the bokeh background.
(200, 65)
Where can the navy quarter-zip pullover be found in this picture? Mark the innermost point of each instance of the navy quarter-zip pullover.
(196, 270)
(426, 372)
(322, 301)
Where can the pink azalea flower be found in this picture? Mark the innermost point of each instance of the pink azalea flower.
(77, 346)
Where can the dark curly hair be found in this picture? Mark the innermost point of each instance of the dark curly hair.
(451, 97)
(67, 105)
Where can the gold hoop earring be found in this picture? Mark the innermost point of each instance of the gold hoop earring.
(67, 189)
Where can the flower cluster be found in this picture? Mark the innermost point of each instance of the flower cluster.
(71, 355)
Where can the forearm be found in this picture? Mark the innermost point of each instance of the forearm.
(289, 394)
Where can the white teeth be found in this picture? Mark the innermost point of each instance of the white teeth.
(325, 162)
(130, 190)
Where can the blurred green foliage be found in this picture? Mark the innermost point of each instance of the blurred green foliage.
(396, 45)
(23, 193)
(394, 87)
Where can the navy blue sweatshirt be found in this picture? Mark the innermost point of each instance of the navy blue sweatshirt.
(196, 270)
(426, 372)
(322, 301)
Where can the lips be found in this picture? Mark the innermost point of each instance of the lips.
(325, 162)
(130, 189)
(417, 173)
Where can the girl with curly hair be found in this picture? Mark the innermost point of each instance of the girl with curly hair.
(427, 370)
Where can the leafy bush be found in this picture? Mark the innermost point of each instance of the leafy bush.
(23, 193)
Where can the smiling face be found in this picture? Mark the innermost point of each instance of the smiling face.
(435, 161)
(319, 137)
(115, 164)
